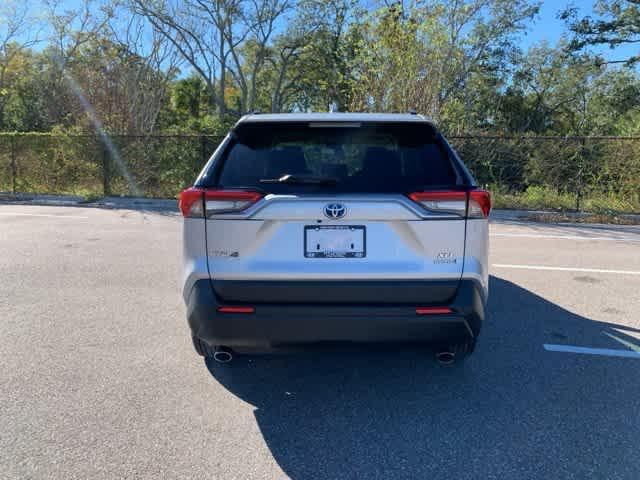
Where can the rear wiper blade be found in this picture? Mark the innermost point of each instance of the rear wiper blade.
(301, 180)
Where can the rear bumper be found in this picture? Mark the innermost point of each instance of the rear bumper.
(331, 292)
(275, 324)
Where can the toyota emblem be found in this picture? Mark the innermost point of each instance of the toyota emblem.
(335, 210)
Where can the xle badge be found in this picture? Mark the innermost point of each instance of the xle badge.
(445, 257)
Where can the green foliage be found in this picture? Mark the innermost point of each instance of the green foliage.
(618, 23)
(437, 57)
(534, 198)
(48, 163)
(457, 62)
(72, 163)
(545, 198)
(190, 110)
(556, 172)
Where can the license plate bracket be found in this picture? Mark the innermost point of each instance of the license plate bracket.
(335, 241)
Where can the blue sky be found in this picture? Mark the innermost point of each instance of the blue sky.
(548, 27)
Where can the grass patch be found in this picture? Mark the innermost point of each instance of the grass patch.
(560, 217)
(543, 198)
(90, 197)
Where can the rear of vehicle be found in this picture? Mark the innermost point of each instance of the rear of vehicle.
(337, 227)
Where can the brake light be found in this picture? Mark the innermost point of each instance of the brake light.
(473, 204)
(454, 202)
(196, 202)
(236, 309)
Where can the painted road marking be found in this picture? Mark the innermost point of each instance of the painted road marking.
(607, 352)
(626, 343)
(565, 237)
(565, 269)
(20, 214)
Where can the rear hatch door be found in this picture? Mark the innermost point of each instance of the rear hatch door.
(335, 214)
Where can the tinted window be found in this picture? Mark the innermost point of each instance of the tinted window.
(373, 158)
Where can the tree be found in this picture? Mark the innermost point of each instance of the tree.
(427, 55)
(618, 23)
(150, 62)
(71, 28)
(16, 36)
(323, 70)
(211, 35)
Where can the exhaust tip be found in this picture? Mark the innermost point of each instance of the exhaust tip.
(446, 358)
(223, 355)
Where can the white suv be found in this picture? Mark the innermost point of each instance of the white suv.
(307, 228)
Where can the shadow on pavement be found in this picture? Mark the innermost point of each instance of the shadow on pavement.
(512, 410)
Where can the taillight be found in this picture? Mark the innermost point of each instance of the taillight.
(190, 202)
(454, 202)
(473, 204)
(228, 201)
(198, 202)
(479, 204)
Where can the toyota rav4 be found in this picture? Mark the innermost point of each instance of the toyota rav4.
(312, 228)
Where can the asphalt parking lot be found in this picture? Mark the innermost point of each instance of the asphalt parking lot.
(100, 380)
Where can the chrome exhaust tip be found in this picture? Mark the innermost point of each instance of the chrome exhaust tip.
(446, 357)
(223, 354)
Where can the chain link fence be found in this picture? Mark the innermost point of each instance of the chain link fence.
(578, 172)
(152, 166)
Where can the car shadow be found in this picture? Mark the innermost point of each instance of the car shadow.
(512, 410)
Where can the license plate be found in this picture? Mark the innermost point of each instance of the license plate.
(334, 241)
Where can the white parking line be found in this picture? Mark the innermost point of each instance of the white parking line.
(565, 237)
(626, 343)
(608, 352)
(20, 214)
(565, 269)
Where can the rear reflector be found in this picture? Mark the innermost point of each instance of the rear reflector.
(432, 310)
(196, 202)
(236, 309)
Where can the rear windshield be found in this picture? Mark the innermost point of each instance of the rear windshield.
(323, 157)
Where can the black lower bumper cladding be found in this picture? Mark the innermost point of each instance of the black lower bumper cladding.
(304, 319)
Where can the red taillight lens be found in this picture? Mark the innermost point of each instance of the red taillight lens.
(432, 310)
(455, 202)
(479, 204)
(195, 202)
(191, 202)
(236, 309)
